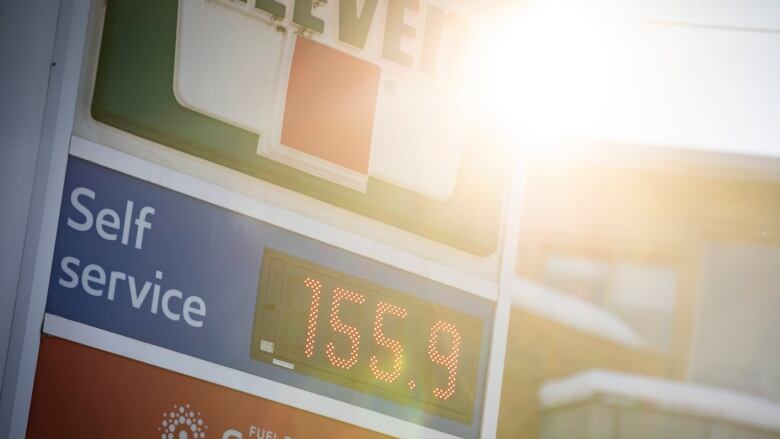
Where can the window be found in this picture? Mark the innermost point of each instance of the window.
(737, 332)
(642, 294)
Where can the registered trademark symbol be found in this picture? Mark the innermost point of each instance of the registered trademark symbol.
(390, 87)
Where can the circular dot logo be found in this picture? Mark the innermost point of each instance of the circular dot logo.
(182, 422)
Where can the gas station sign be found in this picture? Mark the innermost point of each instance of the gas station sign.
(277, 220)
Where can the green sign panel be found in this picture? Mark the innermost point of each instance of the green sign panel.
(382, 172)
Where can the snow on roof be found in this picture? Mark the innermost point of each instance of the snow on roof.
(573, 312)
(673, 396)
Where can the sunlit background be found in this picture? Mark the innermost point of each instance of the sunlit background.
(682, 74)
(648, 282)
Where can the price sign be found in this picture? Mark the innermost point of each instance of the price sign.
(307, 317)
(366, 337)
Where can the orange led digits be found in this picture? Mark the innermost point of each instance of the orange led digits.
(449, 361)
(340, 294)
(321, 329)
(383, 308)
(311, 327)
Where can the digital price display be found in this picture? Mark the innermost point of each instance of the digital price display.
(354, 333)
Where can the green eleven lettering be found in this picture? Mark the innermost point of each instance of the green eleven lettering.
(355, 24)
(396, 29)
(272, 7)
(302, 15)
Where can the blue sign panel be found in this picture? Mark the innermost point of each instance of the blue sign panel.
(157, 266)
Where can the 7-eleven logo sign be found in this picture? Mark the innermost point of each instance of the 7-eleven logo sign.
(341, 89)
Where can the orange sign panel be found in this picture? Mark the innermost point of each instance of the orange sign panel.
(315, 111)
(83, 392)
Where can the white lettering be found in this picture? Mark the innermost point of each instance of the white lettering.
(156, 293)
(142, 224)
(74, 200)
(166, 310)
(127, 223)
(94, 279)
(108, 222)
(194, 305)
(87, 277)
(74, 277)
(112, 278)
(136, 298)
(102, 223)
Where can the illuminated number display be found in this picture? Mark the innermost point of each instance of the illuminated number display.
(366, 337)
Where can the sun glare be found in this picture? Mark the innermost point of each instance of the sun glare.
(542, 73)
